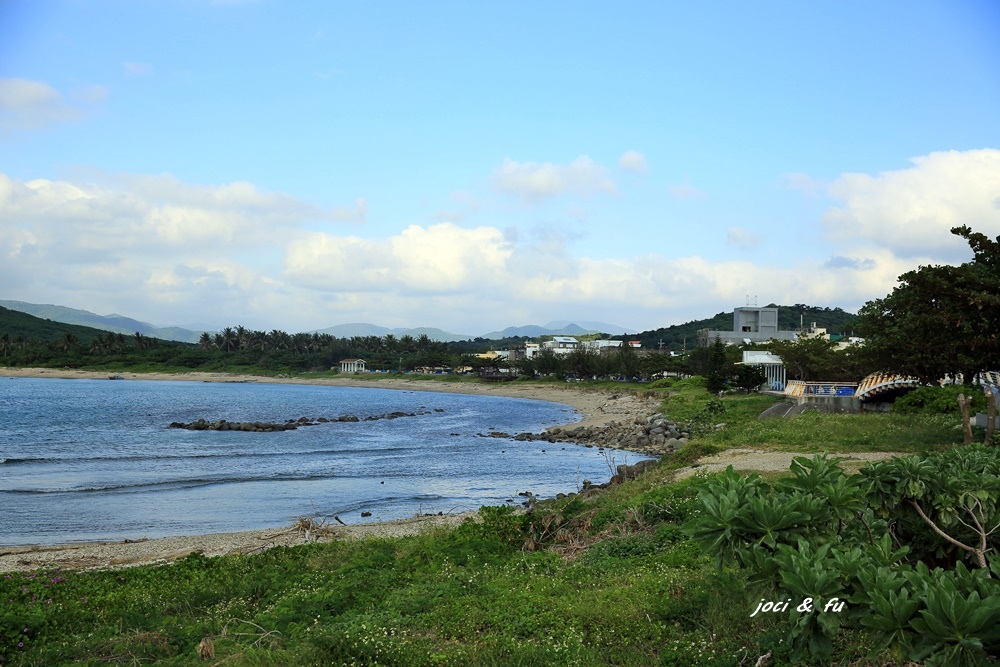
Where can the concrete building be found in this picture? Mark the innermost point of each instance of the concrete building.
(751, 324)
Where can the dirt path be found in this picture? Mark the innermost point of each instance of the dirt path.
(769, 461)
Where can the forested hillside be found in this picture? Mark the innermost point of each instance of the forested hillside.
(15, 324)
(678, 336)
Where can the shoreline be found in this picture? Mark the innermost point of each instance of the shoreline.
(162, 550)
(597, 408)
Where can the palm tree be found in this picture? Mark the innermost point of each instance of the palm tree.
(97, 345)
(300, 343)
(326, 342)
(241, 337)
(140, 341)
(279, 340)
(229, 339)
(205, 341)
(68, 342)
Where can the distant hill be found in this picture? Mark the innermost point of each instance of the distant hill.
(365, 329)
(680, 336)
(115, 323)
(555, 329)
(15, 323)
(591, 327)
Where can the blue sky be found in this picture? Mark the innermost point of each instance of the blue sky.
(473, 165)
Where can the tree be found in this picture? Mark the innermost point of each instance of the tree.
(940, 320)
(817, 359)
(626, 362)
(68, 342)
(750, 377)
(547, 363)
(719, 368)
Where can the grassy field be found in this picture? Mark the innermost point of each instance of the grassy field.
(606, 579)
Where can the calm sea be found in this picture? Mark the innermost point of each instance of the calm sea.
(84, 460)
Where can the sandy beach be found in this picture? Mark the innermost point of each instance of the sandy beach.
(596, 408)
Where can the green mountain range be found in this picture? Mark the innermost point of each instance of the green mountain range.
(115, 323)
(51, 323)
(15, 323)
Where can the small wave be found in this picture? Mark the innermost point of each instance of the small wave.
(170, 485)
(14, 461)
(219, 455)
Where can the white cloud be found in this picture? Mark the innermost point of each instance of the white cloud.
(32, 105)
(442, 259)
(149, 240)
(685, 191)
(632, 161)
(357, 213)
(137, 69)
(166, 251)
(537, 180)
(805, 183)
(742, 238)
(92, 94)
(910, 211)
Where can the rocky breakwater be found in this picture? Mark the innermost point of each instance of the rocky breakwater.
(654, 435)
(289, 425)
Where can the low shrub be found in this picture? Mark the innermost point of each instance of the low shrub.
(939, 400)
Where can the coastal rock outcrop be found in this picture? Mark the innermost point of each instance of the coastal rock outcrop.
(289, 425)
(654, 435)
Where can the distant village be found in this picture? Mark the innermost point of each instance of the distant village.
(751, 324)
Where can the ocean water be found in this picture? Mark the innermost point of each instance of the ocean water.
(84, 460)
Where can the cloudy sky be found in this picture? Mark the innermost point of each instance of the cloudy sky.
(475, 165)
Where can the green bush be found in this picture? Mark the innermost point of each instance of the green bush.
(820, 535)
(939, 400)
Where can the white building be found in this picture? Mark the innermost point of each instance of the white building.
(771, 364)
(352, 365)
(601, 345)
(561, 344)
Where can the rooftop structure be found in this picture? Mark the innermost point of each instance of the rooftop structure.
(751, 324)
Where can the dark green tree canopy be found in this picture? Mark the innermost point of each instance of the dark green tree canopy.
(940, 320)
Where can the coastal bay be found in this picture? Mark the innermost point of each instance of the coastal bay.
(595, 408)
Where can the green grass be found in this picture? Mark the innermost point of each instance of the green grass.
(815, 432)
(462, 597)
(809, 432)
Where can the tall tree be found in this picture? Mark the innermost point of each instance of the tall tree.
(939, 320)
(719, 368)
(68, 342)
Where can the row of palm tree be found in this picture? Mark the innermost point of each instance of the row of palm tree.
(111, 343)
(240, 338)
